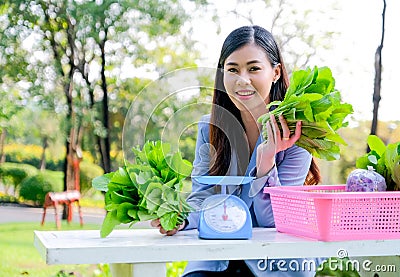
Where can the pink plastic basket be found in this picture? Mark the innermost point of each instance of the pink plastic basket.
(328, 213)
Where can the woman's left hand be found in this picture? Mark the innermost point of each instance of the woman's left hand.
(156, 223)
(275, 143)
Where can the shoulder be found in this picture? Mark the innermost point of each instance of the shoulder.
(204, 125)
(204, 120)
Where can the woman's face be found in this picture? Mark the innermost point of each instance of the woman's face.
(248, 75)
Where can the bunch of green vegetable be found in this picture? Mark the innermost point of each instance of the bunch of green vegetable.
(147, 189)
(384, 159)
(312, 98)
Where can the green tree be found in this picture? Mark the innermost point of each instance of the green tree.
(11, 54)
(46, 126)
(10, 108)
(79, 50)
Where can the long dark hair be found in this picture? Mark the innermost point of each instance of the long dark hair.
(225, 120)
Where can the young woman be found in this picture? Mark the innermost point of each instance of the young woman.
(250, 74)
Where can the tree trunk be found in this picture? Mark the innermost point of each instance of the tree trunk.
(3, 135)
(67, 89)
(102, 142)
(105, 144)
(43, 158)
(67, 131)
(378, 76)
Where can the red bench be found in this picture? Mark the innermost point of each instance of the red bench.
(53, 199)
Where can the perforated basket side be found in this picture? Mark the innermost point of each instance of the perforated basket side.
(295, 215)
(365, 218)
(332, 215)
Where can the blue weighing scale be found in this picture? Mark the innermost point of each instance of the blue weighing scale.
(224, 216)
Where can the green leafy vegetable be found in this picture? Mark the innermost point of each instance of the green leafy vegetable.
(384, 159)
(148, 189)
(312, 98)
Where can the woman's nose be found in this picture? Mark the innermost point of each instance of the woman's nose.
(243, 80)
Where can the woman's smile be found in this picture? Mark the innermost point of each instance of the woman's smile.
(245, 93)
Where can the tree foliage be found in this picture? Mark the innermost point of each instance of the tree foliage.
(78, 57)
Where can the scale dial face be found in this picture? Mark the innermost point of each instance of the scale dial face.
(224, 213)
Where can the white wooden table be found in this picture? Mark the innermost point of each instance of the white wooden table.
(148, 250)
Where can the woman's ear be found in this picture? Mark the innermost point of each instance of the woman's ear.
(277, 72)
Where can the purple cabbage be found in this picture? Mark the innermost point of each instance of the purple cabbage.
(365, 180)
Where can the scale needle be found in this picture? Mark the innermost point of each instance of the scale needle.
(225, 215)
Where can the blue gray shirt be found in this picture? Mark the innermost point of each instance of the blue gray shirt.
(291, 168)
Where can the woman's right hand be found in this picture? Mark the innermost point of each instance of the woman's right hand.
(156, 223)
(275, 143)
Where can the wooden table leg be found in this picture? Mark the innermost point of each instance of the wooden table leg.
(70, 212)
(80, 213)
(44, 215)
(58, 223)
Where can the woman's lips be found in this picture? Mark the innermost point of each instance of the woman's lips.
(245, 93)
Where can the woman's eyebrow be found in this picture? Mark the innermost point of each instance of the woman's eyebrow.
(249, 62)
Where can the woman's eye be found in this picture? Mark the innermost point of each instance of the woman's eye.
(232, 70)
(254, 68)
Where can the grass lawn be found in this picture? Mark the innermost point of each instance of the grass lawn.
(19, 256)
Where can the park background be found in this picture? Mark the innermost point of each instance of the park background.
(70, 71)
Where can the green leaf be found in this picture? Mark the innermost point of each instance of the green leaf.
(107, 198)
(171, 183)
(153, 197)
(396, 172)
(133, 213)
(320, 148)
(308, 113)
(362, 162)
(167, 174)
(392, 156)
(169, 195)
(111, 207)
(121, 177)
(109, 223)
(145, 216)
(300, 80)
(122, 212)
(163, 209)
(376, 144)
(169, 221)
(118, 198)
(101, 182)
(181, 166)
